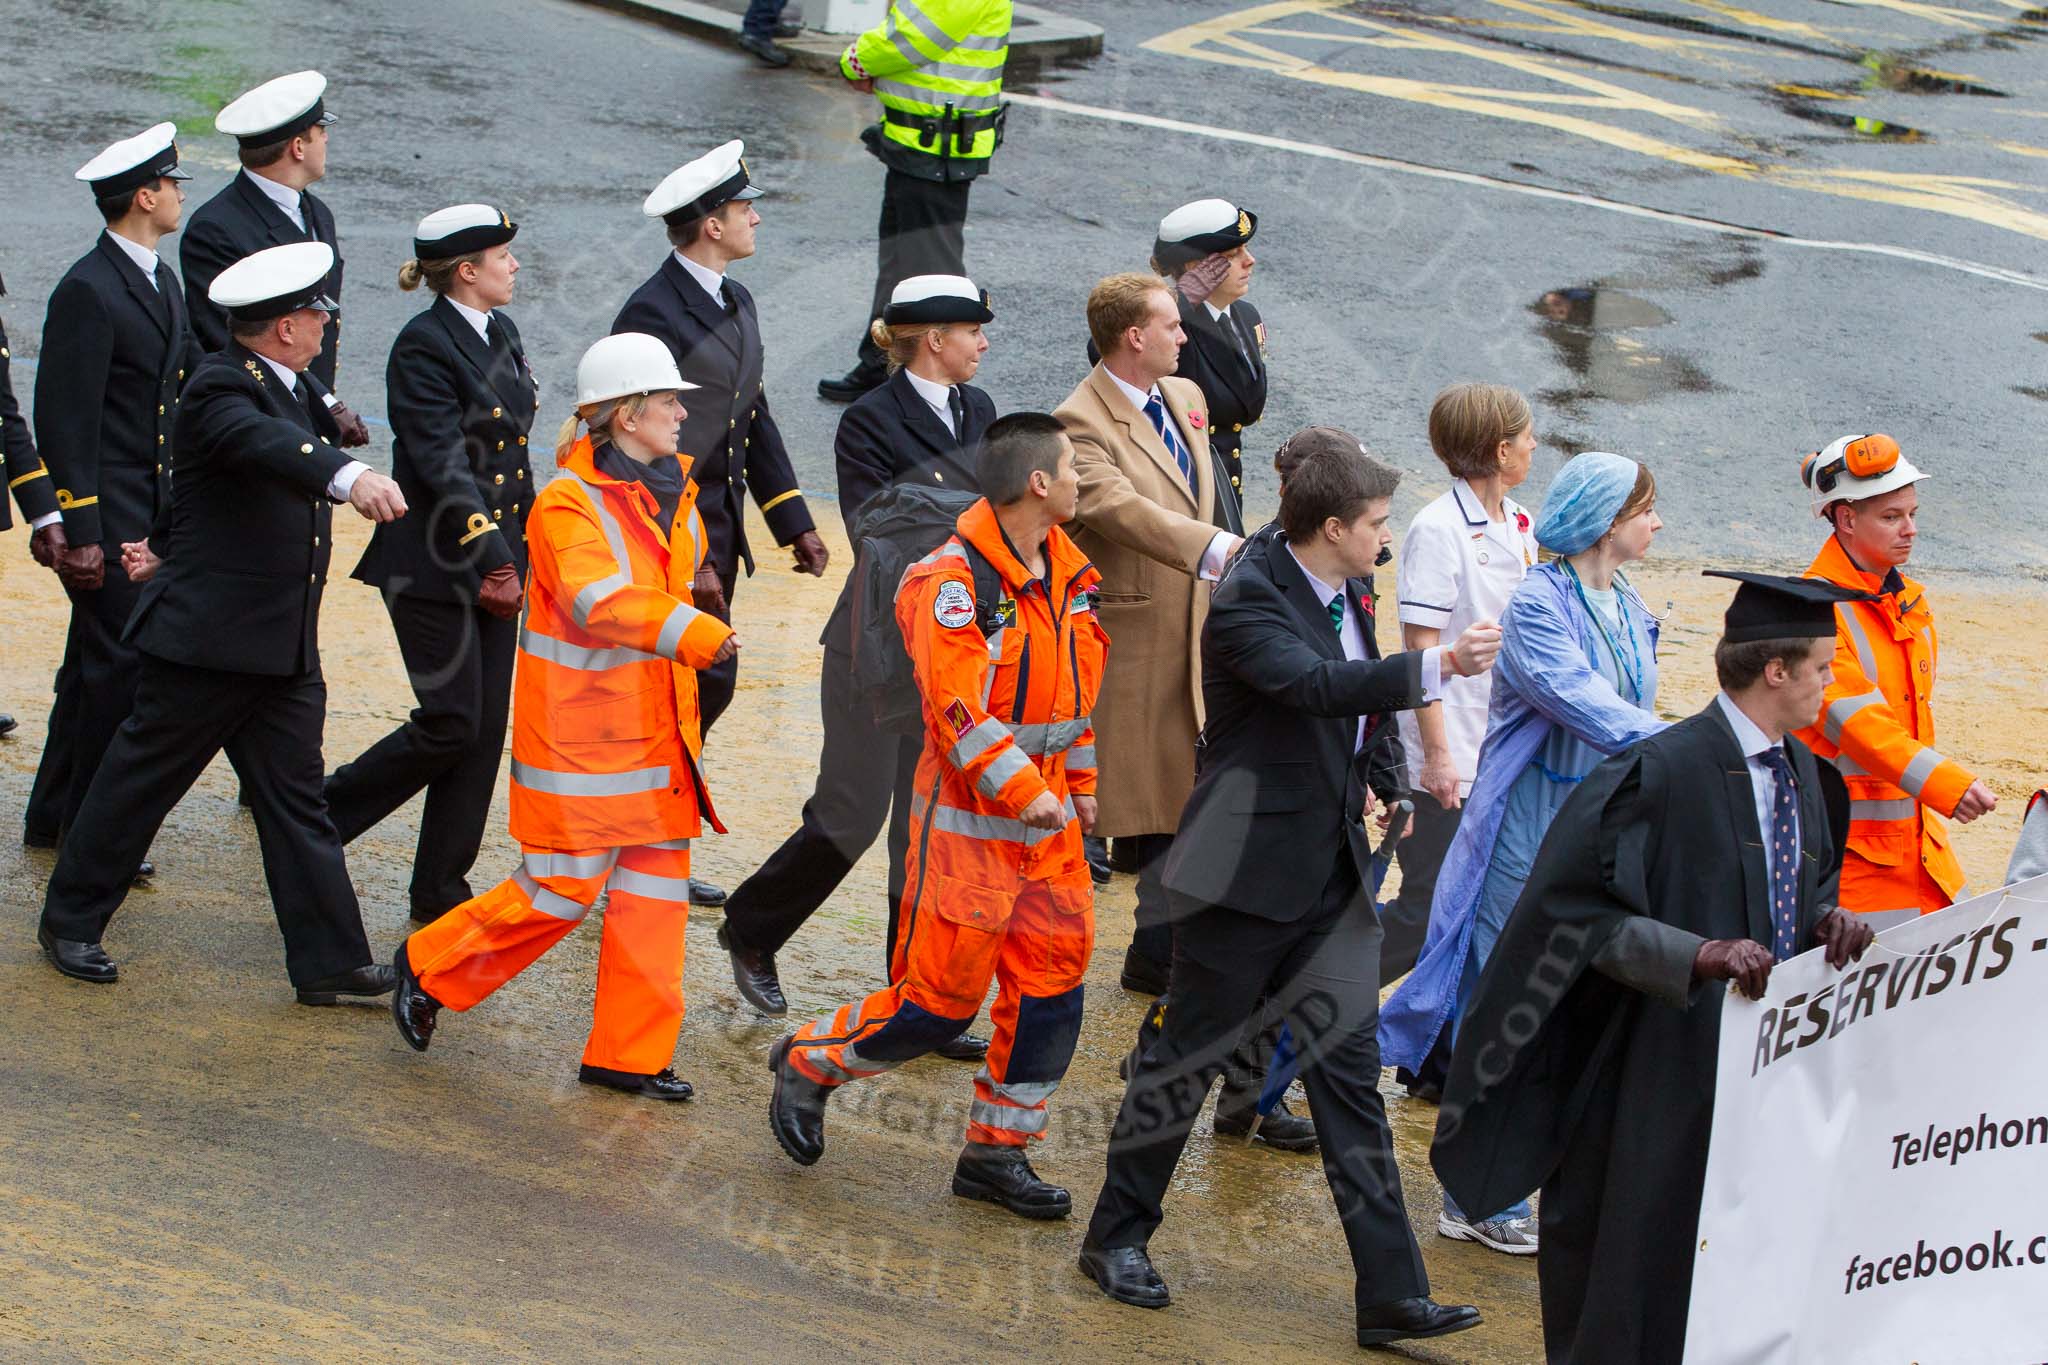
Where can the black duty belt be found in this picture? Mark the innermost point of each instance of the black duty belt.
(953, 132)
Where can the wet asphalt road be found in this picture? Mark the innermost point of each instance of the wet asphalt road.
(1717, 358)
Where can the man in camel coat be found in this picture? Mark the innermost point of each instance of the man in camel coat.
(1160, 526)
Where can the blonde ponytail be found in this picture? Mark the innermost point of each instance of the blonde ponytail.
(409, 276)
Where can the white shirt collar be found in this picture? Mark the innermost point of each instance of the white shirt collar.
(145, 260)
(291, 381)
(1215, 312)
(940, 396)
(284, 196)
(480, 321)
(713, 283)
(1752, 740)
(1324, 592)
(1139, 398)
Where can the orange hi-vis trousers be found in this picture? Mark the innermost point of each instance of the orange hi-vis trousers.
(1038, 958)
(481, 944)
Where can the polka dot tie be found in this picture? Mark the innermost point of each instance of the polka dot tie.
(1337, 613)
(1784, 857)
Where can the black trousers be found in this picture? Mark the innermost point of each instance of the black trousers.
(864, 779)
(271, 728)
(1322, 974)
(923, 231)
(95, 689)
(715, 684)
(459, 659)
(1420, 853)
(1152, 919)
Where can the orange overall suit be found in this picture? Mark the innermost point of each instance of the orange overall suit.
(1877, 725)
(1006, 718)
(607, 789)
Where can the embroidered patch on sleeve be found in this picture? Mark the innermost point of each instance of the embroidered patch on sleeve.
(954, 606)
(957, 717)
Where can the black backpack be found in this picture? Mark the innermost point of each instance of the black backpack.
(893, 530)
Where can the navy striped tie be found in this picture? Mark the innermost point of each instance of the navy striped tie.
(1162, 424)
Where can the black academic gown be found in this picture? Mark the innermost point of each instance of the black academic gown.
(1585, 1063)
(241, 221)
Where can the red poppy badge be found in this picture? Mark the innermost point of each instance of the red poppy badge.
(1195, 420)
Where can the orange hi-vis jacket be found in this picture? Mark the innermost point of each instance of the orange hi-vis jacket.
(1877, 725)
(1007, 716)
(606, 746)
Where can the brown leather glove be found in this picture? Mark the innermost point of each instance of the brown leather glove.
(354, 431)
(1844, 935)
(709, 594)
(1742, 960)
(810, 554)
(48, 545)
(500, 594)
(83, 568)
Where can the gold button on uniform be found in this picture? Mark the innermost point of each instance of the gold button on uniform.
(522, 440)
(497, 412)
(939, 476)
(518, 473)
(515, 509)
(497, 514)
(159, 409)
(501, 445)
(497, 478)
(306, 449)
(1237, 426)
(316, 540)
(160, 440)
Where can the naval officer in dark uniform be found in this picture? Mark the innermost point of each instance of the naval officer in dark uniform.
(228, 630)
(280, 133)
(116, 351)
(709, 322)
(1205, 248)
(921, 426)
(462, 399)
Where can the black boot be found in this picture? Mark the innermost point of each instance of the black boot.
(968, 1047)
(796, 1111)
(411, 1007)
(1002, 1175)
(753, 975)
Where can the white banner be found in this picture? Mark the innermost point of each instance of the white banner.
(1877, 1188)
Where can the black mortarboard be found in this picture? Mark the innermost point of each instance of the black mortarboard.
(1773, 607)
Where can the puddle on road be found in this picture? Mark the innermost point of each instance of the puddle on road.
(1862, 125)
(1889, 72)
(1594, 328)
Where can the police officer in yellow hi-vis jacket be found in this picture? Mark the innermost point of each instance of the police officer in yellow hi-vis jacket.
(607, 784)
(937, 68)
(1877, 719)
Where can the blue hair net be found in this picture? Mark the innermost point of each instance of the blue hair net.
(1583, 501)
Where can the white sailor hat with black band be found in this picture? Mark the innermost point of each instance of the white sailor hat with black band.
(1200, 229)
(276, 281)
(450, 232)
(134, 162)
(694, 191)
(276, 110)
(937, 298)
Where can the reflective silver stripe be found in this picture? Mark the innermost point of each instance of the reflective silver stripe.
(834, 1072)
(628, 783)
(578, 656)
(947, 551)
(986, 42)
(1051, 738)
(1019, 1092)
(1914, 779)
(1000, 770)
(568, 864)
(918, 94)
(962, 71)
(671, 844)
(671, 637)
(867, 1066)
(974, 825)
(593, 593)
(905, 14)
(1882, 810)
(546, 901)
(1081, 757)
(1840, 711)
(651, 885)
(1849, 767)
(588, 599)
(1881, 920)
(1007, 1119)
(976, 742)
(1864, 656)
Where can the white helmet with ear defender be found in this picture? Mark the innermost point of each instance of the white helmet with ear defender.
(1853, 468)
(627, 363)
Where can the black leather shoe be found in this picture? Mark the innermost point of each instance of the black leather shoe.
(145, 870)
(706, 895)
(968, 1047)
(753, 974)
(796, 1111)
(851, 385)
(1097, 851)
(1412, 1319)
(369, 981)
(411, 1006)
(7, 723)
(37, 838)
(1125, 1274)
(82, 961)
(1282, 1129)
(764, 49)
(662, 1085)
(1142, 974)
(1003, 1175)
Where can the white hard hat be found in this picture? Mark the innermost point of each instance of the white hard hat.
(627, 363)
(1853, 468)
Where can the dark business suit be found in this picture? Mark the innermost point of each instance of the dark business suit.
(240, 221)
(889, 436)
(228, 633)
(1226, 361)
(116, 349)
(461, 410)
(728, 434)
(1269, 871)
